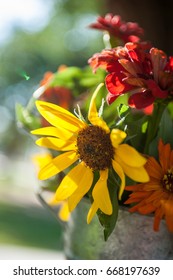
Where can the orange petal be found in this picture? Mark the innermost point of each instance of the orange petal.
(164, 155)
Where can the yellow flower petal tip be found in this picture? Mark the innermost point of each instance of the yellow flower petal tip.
(117, 136)
(92, 211)
(93, 115)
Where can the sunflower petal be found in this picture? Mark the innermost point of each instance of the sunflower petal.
(57, 164)
(58, 116)
(101, 194)
(59, 132)
(120, 173)
(41, 160)
(93, 115)
(130, 156)
(64, 212)
(84, 183)
(56, 144)
(71, 182)
(92, 211)
(117, 136)
(138, 174)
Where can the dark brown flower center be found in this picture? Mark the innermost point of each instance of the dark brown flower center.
(95, 147)
(167, 180)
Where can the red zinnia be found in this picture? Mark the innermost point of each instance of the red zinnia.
(124, 31)
(143, 72)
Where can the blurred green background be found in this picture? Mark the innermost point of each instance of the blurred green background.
(35, 36)
(38, 36)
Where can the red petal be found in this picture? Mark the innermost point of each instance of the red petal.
(115, 85)
(141, 100)
(107, 60)
(169, 65)
(110, 98)
(149, 109)
(155, 89)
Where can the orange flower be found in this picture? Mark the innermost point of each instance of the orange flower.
(59, 95)
(156, 196)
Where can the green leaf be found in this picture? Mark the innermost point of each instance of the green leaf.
(136, 126)
(90, 79)
(121, 100)
(166, 128)
(144, 127)
(25, 118)
(66, 77)
(122, 109)
(170, 109)
(164, 133)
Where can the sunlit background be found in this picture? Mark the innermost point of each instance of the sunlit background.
(38, 36)
(35, 36)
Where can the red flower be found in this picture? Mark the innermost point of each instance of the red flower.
(125, 31)
(144, 72)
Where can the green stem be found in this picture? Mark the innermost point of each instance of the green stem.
(153, 124)
(31, 104)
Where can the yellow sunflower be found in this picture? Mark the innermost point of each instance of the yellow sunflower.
(89, 148)
(63, 212)
(156, 196)
(40, 160)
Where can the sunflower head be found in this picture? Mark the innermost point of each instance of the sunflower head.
(95, 148)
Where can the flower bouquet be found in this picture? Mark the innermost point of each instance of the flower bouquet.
(106, 130)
